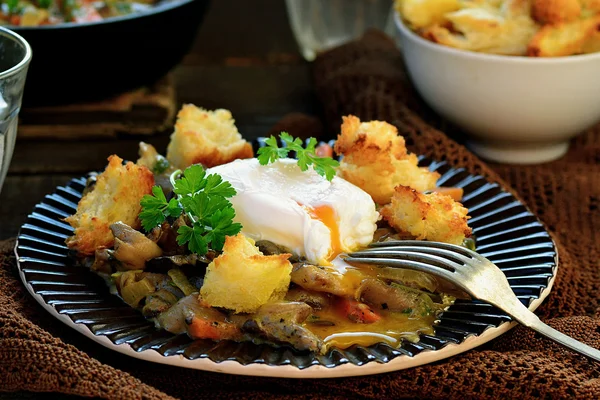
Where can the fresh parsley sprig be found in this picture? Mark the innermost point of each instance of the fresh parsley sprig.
(324, 166)
(12, 6)
(204, 200)
(155, 209)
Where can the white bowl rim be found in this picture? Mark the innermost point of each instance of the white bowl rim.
(523, 60)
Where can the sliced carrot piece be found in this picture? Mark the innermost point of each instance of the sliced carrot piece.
(357, 312)
(201, 328)
(324, 150)
(454, 192)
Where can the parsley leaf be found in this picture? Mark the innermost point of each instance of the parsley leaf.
(202, 206)
(154, 209)
(216, 186)
(151, 217)
(311, 145)
(194, 237)
(306, 157)
(223, 225)
(290, 142)
(12, 5)
(324, 166)
(270, 152)
(184, 234)
(203, 200)
(192, 181)
(174, 209)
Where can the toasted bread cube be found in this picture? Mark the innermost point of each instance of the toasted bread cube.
(376, 159)
(116, 197)
(564, 39)
(243, 279)
(371, 135)
(205, 137)
(592, 45)
(433, 216)
(555, 11)
(422, 13)
(514, 8)
(485, 30)
(589, 7)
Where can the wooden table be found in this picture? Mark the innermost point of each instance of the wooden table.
(245, 59)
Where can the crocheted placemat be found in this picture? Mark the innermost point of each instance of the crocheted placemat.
(37, 353)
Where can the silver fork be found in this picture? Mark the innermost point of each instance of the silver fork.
(468, 270)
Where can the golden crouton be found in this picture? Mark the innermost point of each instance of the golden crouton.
(555, 11)
(380, 135)
(589, 7)
(206, 137)
(116, 197)
(514, 8)
(592, 45)
(376, 159)
(485, 30)
(538, 28)
(563, 39)
(243, 279)
(432, 216)
(422, 13)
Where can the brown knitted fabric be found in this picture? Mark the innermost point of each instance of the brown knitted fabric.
(365, 78)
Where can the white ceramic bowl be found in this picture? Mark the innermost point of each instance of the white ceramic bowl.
(515, 109)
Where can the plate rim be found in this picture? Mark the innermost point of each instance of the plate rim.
(345, 369)
(232, 367)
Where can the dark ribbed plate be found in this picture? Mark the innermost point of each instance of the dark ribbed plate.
(507, 233)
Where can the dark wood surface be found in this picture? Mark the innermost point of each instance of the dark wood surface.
(245, 59)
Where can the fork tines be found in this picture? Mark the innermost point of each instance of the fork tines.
(423, 244)
(433, 257)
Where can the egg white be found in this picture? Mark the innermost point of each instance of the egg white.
(272, 200)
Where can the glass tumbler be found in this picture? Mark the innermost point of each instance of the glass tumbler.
(319, 25)
(15, 55)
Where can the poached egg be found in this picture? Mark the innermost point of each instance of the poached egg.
(299, 210)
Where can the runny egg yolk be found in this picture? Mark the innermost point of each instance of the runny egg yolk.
(327, 216)
(312, 217)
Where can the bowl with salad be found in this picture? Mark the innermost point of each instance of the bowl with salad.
(88, 50)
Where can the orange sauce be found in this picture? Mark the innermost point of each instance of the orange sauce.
(336, 330)
(389, 329)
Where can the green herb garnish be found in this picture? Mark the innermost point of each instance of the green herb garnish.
(155, 209)
(203, 199)
(324, 166)
(69, 7)
(160, 166)
(12, 5)
(469, 243)
(123, 8)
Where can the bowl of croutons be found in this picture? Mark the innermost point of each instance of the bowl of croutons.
(519, 76)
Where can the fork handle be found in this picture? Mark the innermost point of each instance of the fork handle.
(537, 325)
